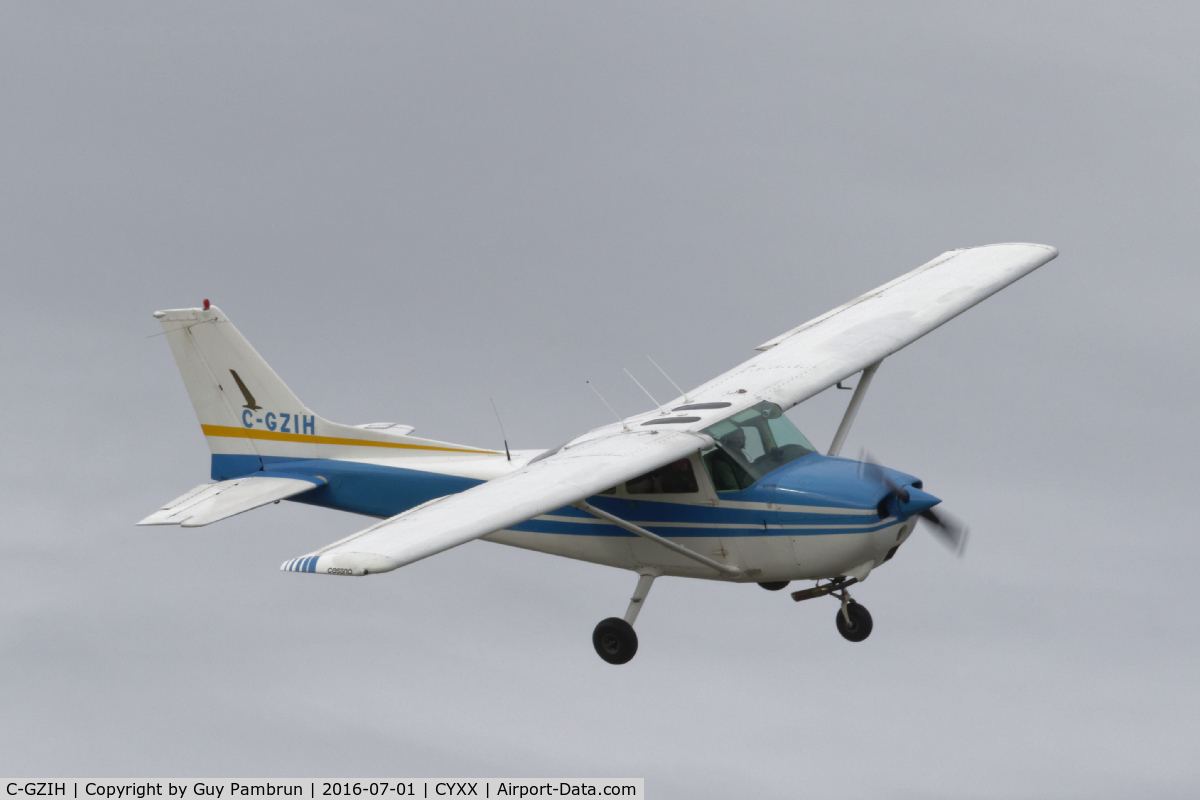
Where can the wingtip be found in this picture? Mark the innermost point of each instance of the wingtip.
(301, 564)
(355, 564)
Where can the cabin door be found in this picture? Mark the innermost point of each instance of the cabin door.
(763, 545)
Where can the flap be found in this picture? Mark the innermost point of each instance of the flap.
(210, 502)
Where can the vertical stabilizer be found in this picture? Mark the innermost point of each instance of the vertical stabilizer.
(231, 387)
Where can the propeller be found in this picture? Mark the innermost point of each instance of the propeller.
(949, 530)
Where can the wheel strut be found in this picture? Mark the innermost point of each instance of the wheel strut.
(639, 595)
(846, 601)
(833, 587)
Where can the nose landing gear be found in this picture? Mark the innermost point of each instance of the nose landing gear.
(853, 620)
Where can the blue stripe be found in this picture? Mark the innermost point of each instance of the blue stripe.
(676, 532)
(370, 489)
(814, 481)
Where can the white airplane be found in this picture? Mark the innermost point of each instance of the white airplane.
(716, 484)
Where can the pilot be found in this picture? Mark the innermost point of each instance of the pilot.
(722, 465)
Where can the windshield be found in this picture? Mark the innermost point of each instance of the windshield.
(750, 444)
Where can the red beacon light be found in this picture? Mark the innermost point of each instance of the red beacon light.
(206, 305)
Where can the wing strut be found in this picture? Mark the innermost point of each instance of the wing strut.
(724, 569)
(856, 399)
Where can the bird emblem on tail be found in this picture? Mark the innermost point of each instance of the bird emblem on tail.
(250, 404)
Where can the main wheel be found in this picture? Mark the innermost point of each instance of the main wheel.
(615, 640)
(774, 586)
(860, 624)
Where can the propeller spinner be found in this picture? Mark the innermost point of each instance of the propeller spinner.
(949, 530)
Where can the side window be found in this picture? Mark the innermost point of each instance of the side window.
(726, 473)
(675, 478)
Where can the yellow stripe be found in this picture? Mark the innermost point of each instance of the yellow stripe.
(276, 436)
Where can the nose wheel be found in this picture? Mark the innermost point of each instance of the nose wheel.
(853, 620)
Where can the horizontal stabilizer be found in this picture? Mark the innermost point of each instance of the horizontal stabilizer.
(210, 502)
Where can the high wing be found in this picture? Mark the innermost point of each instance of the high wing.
(807, 360)
(795, 366)
(210, 502)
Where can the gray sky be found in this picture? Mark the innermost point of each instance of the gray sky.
(409, 209)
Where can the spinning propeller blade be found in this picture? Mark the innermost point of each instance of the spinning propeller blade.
(949, 530)
(868, 468)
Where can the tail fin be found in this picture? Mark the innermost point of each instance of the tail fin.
(230, 385)
(248, 414)
(226, 378)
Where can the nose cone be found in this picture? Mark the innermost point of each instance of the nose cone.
(918, 501)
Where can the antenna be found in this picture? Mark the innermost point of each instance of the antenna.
(502, 433)
(610, 408)
(668, 377)
(643, 388)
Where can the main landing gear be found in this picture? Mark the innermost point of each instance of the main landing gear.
(614, 638)
(853, 620)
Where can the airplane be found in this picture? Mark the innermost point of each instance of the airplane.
(716, 484)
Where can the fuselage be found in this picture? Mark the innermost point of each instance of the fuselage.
(815, 517)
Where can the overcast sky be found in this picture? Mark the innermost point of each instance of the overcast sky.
(412, 208)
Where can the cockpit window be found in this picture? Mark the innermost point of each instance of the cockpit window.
(750, 444)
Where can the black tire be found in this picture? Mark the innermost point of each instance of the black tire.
(774, 586)
(860, 624)
(615, 640)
